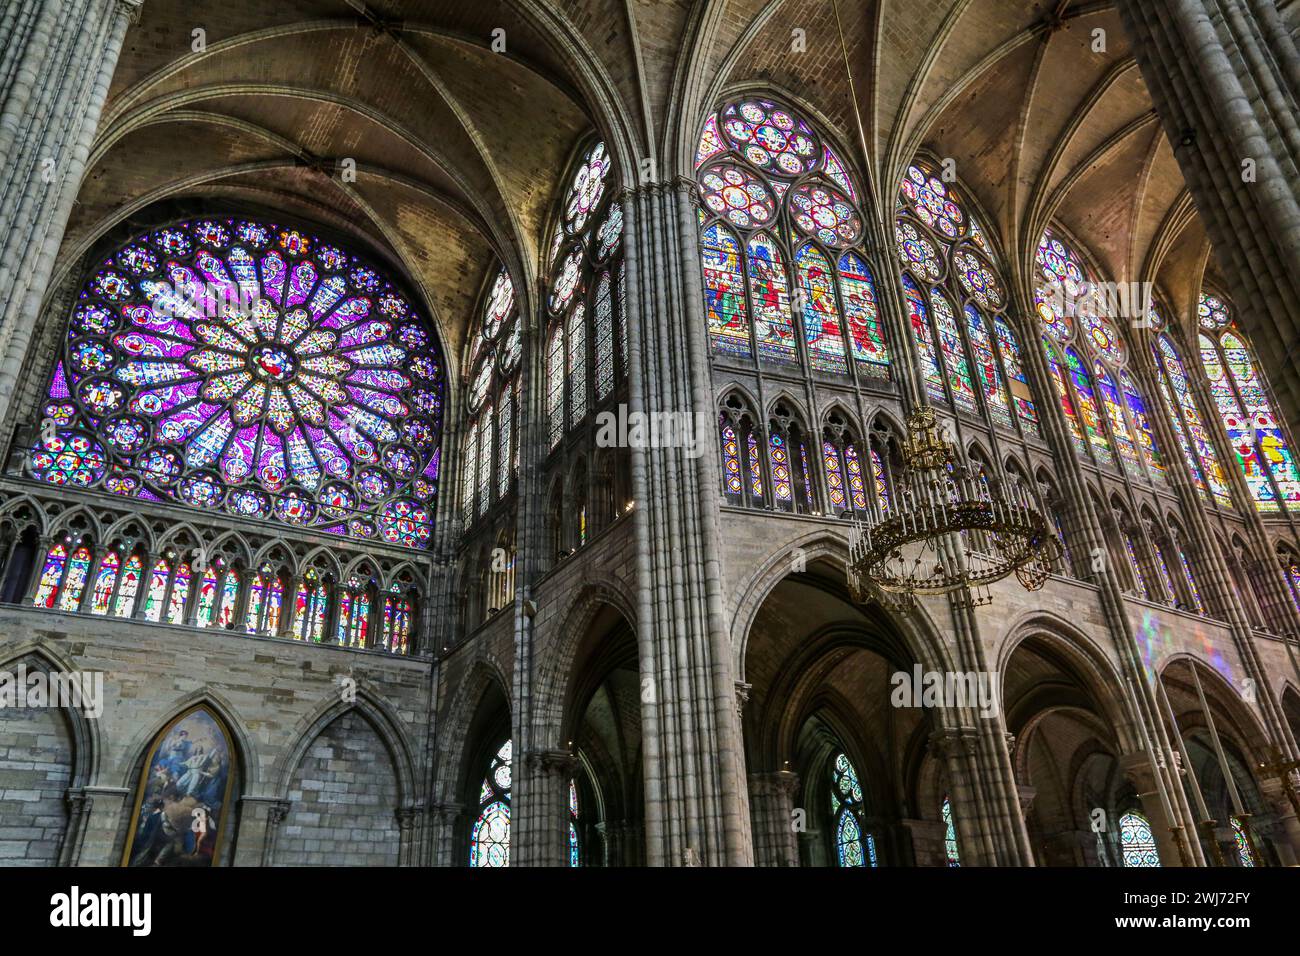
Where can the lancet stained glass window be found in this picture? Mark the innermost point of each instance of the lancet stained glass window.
(1137, 843)
(951, 850)
(253, 368)
(851, 850)
(586, 315)
(489, 843)
(1256, 437)
(942, 249)
(496, 349)
(1181, 407)
(804, 293)
(1104, 408)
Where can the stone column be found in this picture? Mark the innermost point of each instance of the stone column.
(1139, 771)
(103, 811)
(58, 60)
(445, 817)
(693, 783)
(409, 829)
(1286, 827)
(1225, 76)
(546, 841)
(257, 830)
(772, 818)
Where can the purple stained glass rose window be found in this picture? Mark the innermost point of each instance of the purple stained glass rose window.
(255, 369)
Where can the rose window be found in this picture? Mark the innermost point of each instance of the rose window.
(249, 368)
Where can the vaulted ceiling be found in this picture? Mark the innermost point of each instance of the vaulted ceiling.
(461, 118)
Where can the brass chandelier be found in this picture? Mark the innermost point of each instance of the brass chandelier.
(945, 531)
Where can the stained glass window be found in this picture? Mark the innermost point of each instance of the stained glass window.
(942, 249)
(484, 487)
(585, 311)
(918, 315)
(573, 824)
(1245, 853)
(730, 461)
(468, 475)
(311, 603)
(834, 475)
(861, 315)
(846, 804)
(954, 357)
(1253, 431)
(986, 364)
(766, 175)
(576, 334)
(153, 601)
(1063, 393)
(229, 597)
(755, 467)
(208, 594)
(247, 367)
(397, 622)
(951, 851)
(1078, 377)
(1137, 843)
(1241, 433)
(1145, 439)
(848, 840)
(821, 314)
(256, 591)
(779, 460)
(1181, 406)
(75, 581)
(724, 293)
(105, 582)
(555, 385)
(504, 424)
(853, 468)
(1112, 419)
(124, 606)
(489, 843)
(881, 484)
(1020, 394)
(773, 328)
(1111, 401)
(603, 306)
(179, 594)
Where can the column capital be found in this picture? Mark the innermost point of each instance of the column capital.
(954, 741)
(131, 9)
(774, 783)
(560, 762)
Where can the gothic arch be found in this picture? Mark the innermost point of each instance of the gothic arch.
(1097, 671)
(918, 628)
(556, 668)
(486, 674)
(87, 744)
(377, 712)
(246, 755)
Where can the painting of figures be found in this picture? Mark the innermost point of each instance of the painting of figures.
(183, 795)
